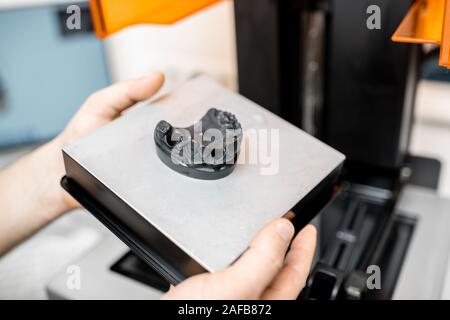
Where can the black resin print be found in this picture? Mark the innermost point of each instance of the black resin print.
(190, 152)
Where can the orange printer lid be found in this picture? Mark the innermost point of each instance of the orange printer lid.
(428, 21)
(110, 16)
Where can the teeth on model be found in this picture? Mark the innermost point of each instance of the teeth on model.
(228, 120)
(164, 127)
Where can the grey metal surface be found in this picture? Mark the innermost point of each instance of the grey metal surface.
(424, 269)
(313, 82)
(212, 221)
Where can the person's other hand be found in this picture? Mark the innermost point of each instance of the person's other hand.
(269, 269)
(99, 109)
(107, 104)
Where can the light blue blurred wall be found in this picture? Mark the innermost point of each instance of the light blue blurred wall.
(45, 75)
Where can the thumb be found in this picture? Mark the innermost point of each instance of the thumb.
(111, 101)
(256, 268)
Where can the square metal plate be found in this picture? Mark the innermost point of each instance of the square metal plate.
(209, 222)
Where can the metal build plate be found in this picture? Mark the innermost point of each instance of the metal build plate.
(211, 221)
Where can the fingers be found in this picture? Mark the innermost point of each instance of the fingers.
(292, 278)
(257, 267)
(111, 101)
(262, 272)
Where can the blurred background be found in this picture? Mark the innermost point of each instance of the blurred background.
(46, 72)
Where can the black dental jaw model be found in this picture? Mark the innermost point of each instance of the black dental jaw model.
(207, 150)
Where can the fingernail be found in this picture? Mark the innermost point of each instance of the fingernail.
(151, 76)
(156, 75)
(309, 235)
(285, 229)
(146, 77)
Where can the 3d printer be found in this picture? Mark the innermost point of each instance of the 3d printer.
(317, 65)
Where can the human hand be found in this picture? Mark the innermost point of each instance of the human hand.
(107, 104)
(264, 271)
(36, 176)
(98, 110)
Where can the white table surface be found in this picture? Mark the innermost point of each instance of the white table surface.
(25, 271)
